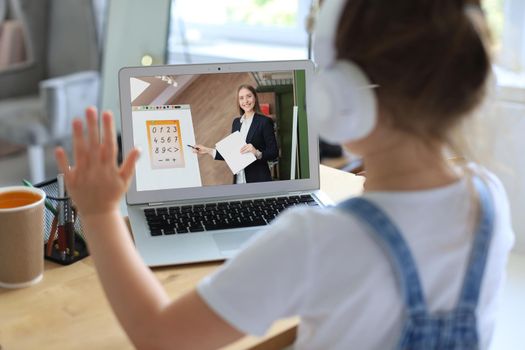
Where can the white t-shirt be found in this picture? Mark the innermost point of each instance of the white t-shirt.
(321, 265)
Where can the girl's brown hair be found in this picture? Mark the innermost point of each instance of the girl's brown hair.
(256, 108)
(428, 58)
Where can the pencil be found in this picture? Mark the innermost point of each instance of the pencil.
(62, 240)
(52, 235)
(69, 227)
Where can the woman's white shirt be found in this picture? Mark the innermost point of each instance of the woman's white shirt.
(240, 177)
(321, 265)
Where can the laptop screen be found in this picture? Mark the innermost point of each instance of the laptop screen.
(224, 109)
(223, 128)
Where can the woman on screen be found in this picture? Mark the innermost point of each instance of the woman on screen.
(258, 132)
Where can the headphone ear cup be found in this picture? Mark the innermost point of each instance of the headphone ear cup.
(343, 103)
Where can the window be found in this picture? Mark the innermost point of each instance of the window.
(513, 40)
(275, 29)
(506, 19)
(494, 13)
(260, 21)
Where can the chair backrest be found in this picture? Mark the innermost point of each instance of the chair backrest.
(73, 37)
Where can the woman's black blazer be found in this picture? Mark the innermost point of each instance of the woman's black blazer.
(262, 137)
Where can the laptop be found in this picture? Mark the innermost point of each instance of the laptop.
(185, 207)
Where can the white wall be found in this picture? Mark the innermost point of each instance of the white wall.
(504, 143)
(509, 143)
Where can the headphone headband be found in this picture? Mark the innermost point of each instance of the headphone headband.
(324, 32)
(343, 103)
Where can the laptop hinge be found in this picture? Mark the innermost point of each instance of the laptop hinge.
(231, 199)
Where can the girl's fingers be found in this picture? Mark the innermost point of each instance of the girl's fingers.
(62, 161)
(109, 142)
(79, 143)
(92, 126)
(63, 165)
(128, 166)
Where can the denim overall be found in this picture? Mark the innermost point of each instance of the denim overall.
(455, 329)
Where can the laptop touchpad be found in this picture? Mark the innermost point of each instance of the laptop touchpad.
(230, 242)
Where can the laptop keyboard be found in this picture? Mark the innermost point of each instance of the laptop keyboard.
(219, 216)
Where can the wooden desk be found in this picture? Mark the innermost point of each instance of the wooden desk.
(68, 309)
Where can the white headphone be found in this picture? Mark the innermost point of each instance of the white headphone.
(342, 100)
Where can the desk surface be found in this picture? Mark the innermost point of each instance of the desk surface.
(68, 309)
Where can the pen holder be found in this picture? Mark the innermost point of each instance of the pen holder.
(59, 248)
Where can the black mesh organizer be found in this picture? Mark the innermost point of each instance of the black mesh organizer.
(60, 252)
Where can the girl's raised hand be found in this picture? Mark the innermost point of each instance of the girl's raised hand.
(95, 182)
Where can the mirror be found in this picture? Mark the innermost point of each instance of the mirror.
(135, 29)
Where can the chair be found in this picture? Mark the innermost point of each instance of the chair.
(59, 78)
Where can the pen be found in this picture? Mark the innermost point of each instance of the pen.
(52, 234)
(61, 217)
(69, 227)
(195, 148)
(47, 203)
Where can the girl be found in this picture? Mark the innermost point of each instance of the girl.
(416, 262)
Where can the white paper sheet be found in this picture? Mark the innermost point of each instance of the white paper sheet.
(230, 149)
(151, 177)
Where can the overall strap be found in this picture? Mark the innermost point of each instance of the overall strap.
(478, 257)
(389, 237)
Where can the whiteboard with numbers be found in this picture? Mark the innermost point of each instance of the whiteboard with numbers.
(165, 144)
(163, 134)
